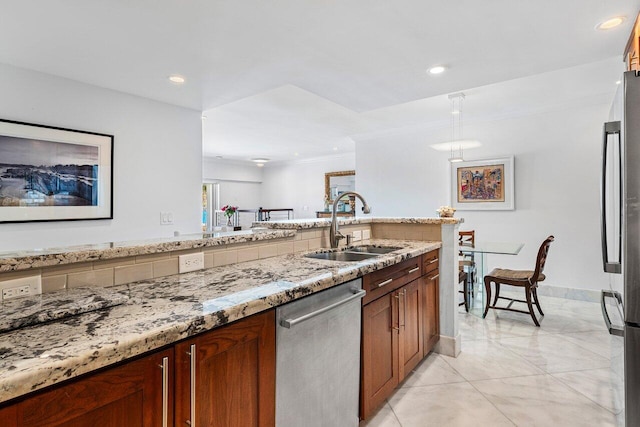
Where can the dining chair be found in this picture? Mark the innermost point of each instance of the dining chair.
(527, 279)
(466, 265)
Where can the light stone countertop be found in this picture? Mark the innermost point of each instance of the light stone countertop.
(37, 258)
(296, 224)
(163, 311)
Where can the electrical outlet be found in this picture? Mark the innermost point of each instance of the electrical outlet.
(21, 287)
(357, 235)
(366, 234)
(191, 262)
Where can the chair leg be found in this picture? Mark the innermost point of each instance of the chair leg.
(495, 299)
(466, 293)
(487, 289)
(527, 291)
(534, 291)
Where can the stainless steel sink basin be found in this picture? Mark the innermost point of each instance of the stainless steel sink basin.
(342, 256)
(374, 249)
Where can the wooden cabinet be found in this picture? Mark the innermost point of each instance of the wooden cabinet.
(410, 332)
(380, 364)
(632, 50)
(135, 394)
(400, 316)
(431, 295)
(226, 377)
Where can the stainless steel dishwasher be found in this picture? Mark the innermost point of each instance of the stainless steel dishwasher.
(318, 358)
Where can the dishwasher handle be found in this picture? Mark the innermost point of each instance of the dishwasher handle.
(289, 323)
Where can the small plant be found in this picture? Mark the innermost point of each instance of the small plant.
(229, 210)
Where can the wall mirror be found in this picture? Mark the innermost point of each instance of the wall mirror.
(336, 183)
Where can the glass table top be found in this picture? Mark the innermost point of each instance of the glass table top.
(507, 248)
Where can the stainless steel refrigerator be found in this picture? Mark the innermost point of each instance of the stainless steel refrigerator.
(620, 211)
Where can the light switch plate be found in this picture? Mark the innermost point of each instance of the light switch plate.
(357, 235)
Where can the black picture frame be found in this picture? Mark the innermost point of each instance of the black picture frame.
(50, 173)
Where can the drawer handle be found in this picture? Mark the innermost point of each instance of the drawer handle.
(413, 270)
(433, 260)
(434, 277)
(289, 323)
(165, 391)
(386, 282)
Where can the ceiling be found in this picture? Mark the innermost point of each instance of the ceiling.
(281, 77)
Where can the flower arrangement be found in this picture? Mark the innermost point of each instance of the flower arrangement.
(445, 211)
(229, 210)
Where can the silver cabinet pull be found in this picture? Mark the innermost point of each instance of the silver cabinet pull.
(413, 270)
(288, 323)
(192, 361)
(434, 277)
(386, 282)
(433, 260)
(610, 128)
(613, 329)
(165, 391)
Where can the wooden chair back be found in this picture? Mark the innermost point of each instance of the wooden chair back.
(467, 238)
(542, 258)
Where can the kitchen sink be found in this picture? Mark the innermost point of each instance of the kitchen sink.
(374, 249)
(342, 256)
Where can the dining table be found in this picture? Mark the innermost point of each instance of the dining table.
(478, 254)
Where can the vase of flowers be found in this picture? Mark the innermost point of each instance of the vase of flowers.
(229, 211)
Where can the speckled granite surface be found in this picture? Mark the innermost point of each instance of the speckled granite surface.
(165, 310)
(297, 224)
(23, 260)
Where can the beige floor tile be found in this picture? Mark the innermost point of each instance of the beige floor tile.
(554, 353)
(431, 371)
(603, 386)
(458, 405)
(486, 359)
(383, 418)
(542, 400)
(599, 342)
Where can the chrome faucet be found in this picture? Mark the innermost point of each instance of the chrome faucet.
(334, 235)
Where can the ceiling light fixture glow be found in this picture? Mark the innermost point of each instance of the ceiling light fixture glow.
(618, 82)
(438, 69)
(260, 160)
(177, 79)
(610, 23)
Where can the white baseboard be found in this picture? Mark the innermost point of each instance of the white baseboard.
(449, 346)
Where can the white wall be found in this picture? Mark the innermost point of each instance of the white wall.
(557, 157)
(157, 158)
(300, 185)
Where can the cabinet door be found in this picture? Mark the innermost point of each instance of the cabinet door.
(136, 394)
(411, 333)
(226, 377)
(380, 363)
(431, 310)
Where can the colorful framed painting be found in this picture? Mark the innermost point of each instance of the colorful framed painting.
(483, 184)
(54, 174)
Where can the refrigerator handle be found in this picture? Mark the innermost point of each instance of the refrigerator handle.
(610, 128)
(613, 329)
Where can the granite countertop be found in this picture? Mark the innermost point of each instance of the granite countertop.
(296, 224)
(162, 311)
(37, 258)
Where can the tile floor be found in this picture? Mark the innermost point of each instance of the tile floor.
(510, 373)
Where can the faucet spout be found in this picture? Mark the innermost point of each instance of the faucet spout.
(334, 235)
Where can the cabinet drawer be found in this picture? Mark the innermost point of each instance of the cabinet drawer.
(383, 281)
(430, 262)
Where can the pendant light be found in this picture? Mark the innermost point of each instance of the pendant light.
(458, 143)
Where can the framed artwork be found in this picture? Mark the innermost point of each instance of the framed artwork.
(483, 184)
(54, 174)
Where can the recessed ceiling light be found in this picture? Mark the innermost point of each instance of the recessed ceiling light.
(618, 82)
(335, 148)
(260, 160)
(177, 79)
(296, 154)
(438, 69)
(610, 23)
